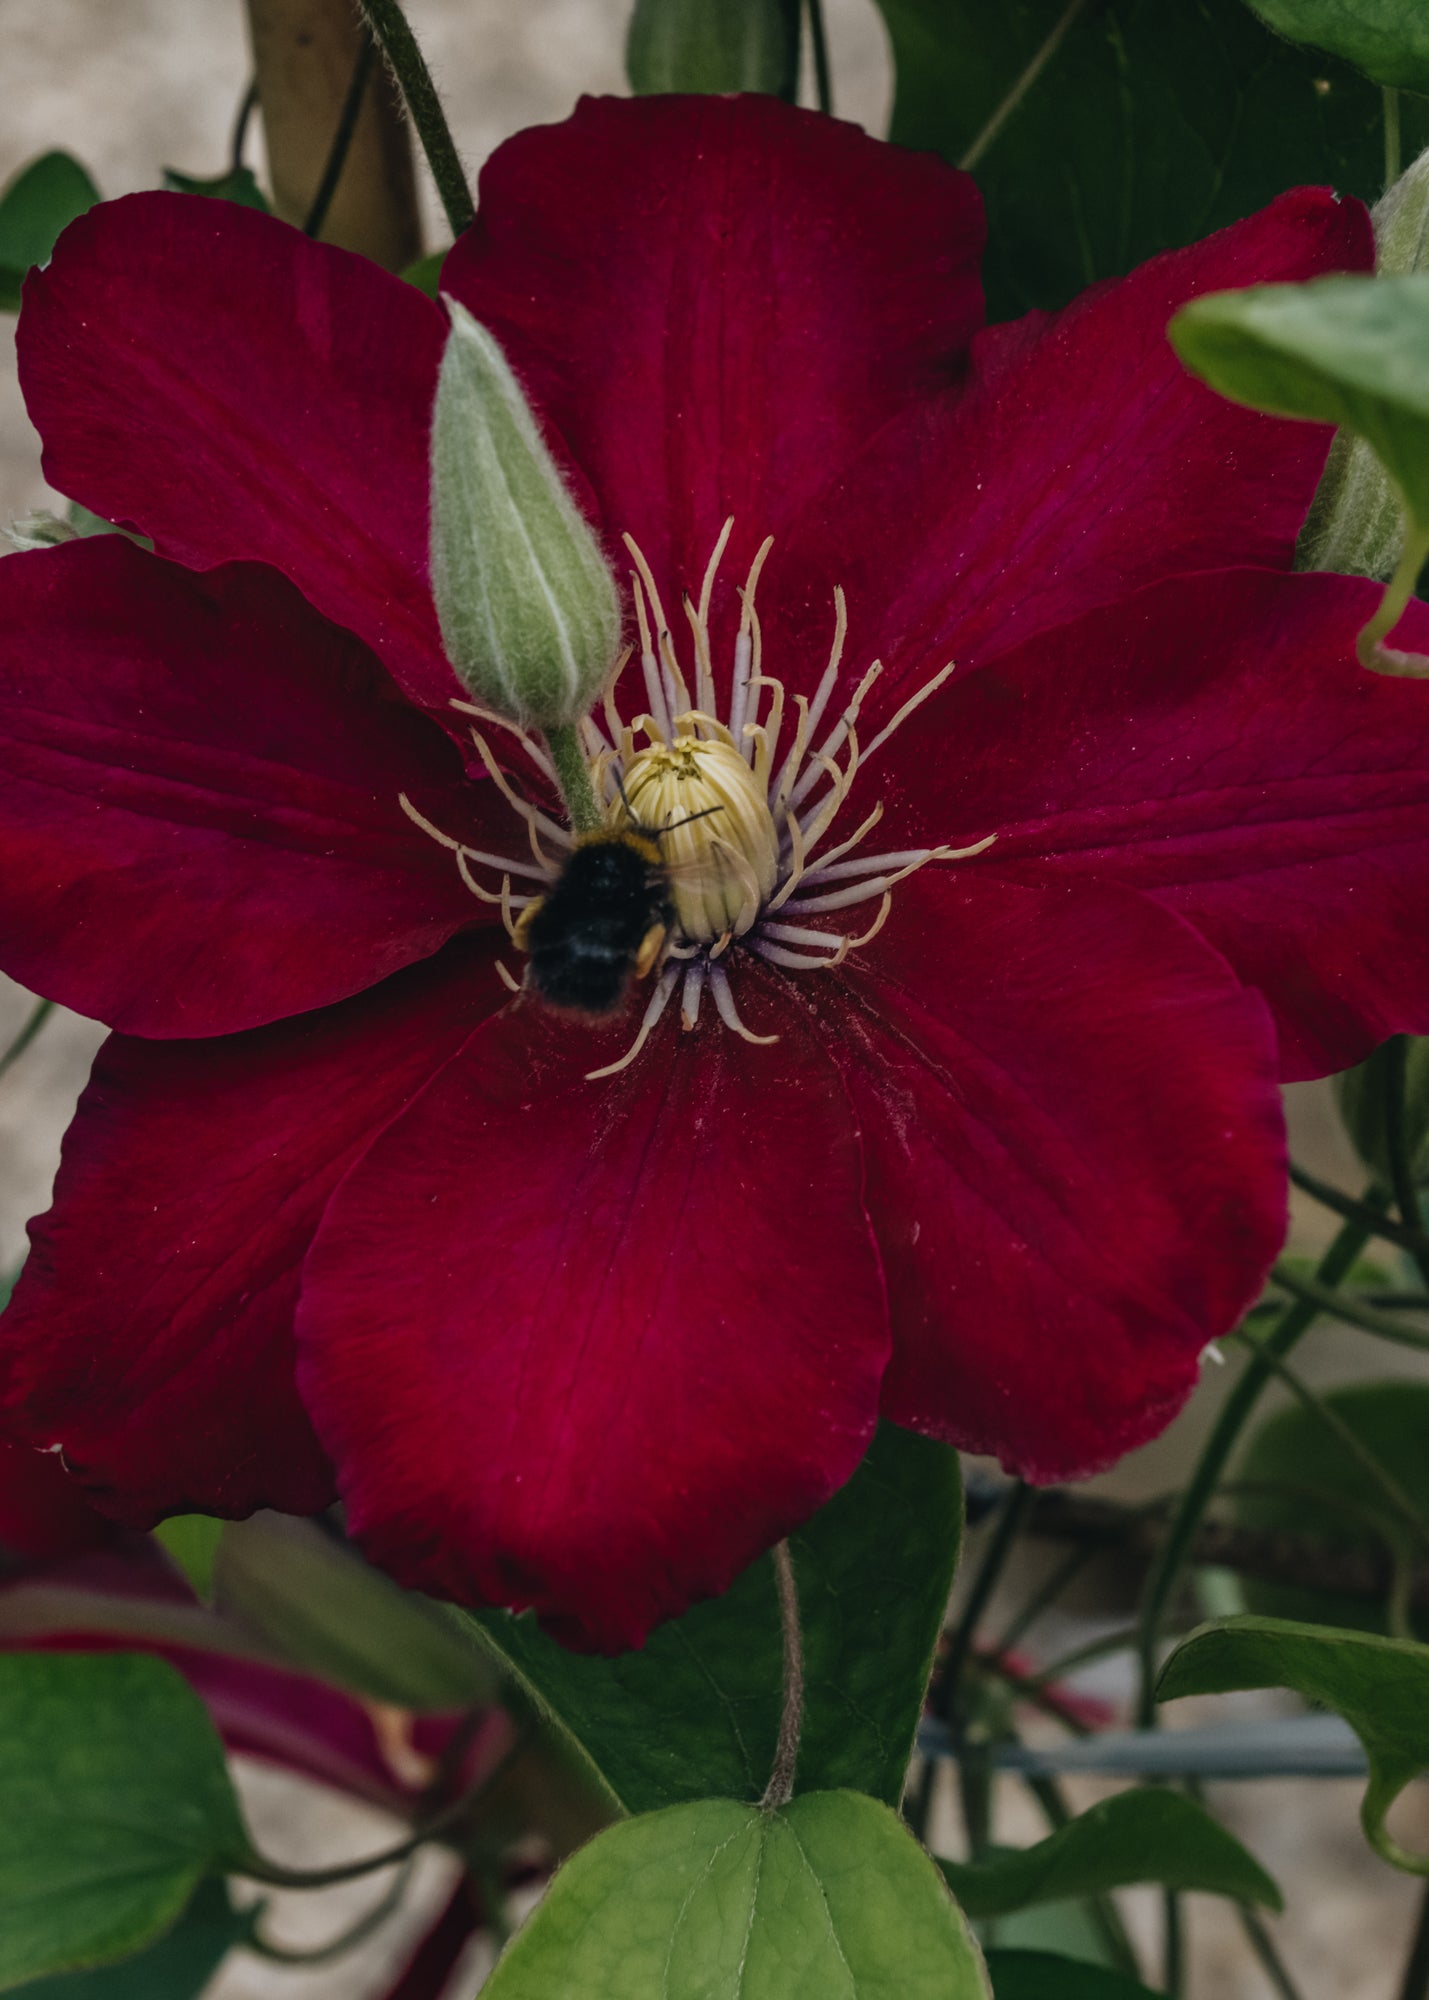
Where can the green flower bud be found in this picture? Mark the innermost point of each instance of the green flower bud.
(1356, 521)
(528, 608)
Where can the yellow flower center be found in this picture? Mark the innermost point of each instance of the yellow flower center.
(716, 834)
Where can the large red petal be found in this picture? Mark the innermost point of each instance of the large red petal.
(1079, 462)
(42, 1511)
(717, 301)
(151, 1330)
(1075, 1163)
(591, 1346)
(199, 777)
(209, 376)
(1215, 742)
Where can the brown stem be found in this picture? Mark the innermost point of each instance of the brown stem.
(780, 1789)
(1277, 1556)
(305, 54)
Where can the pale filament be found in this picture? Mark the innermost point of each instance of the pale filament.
(805, 791)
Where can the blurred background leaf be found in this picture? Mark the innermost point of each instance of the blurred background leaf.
(1102, 131)
(40, 201)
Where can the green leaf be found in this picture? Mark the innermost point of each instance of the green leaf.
(114, 1803)
(1328, 1494)
(696, 1712)
(315, 1600)
(1380, 1686)
(1045, 1975)
(178, 1967)
(732, 45)
(1350, 350)
(41, 200)
(719, 1901)
(1387, 39)
(236, 185)
(1144, 1836)
(1362, 1094)
(426, 273)
(1149, 124)
(192, 1541)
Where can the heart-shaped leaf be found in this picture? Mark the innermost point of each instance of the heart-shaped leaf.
(320, 1606)
(1380, 1686)
(829, 1899)
(1100, 135)
(36, 205)
(695, 1713)
(1297, 1477)
(114, 1803)
(1387, 39)
(1144, 1836)
(1046, 1975)
(1363, 1096)
(1352, 351)
(178, 1967)
(237, 185)
(690, 45)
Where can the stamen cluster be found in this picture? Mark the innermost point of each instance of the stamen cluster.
(751, 824)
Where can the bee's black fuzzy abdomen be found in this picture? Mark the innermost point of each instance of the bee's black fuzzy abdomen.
(584, 938)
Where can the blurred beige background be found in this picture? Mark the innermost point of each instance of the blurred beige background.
(131, 86)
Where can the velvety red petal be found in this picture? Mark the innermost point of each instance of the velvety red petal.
(151, 1330)
(591, 1346)
(1079, 462)
(1215, 742)
(42, 1510)
(1075, 1157)
(199, 819)
(207, 375)
(717, 301)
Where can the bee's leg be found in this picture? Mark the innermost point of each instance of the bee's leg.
(651, 946)
(521, 929)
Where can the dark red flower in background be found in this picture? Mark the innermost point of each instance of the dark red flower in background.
(334, 1210)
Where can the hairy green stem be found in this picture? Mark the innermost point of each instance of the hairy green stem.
(342, 139)
(1388, 1485)
(573, 776)
(243, 118)
(1369, 646)
(1396, 1139)
(1164, 1576)
(1022, 83)
(1369, 1210)
(818, 42)
(35, 1020)
(1015, 1509)
(1263, 1945)
(1415, 1983)
(1367, 1318)
(348, 1940)
(1173, 1965)
(1393, 159)
(399, 45)
(256, 1868)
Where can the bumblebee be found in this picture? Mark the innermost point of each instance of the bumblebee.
(603, 923)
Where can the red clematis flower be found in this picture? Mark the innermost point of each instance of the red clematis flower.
(334, 1206)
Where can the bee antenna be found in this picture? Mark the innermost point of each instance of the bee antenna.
(704, 814)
